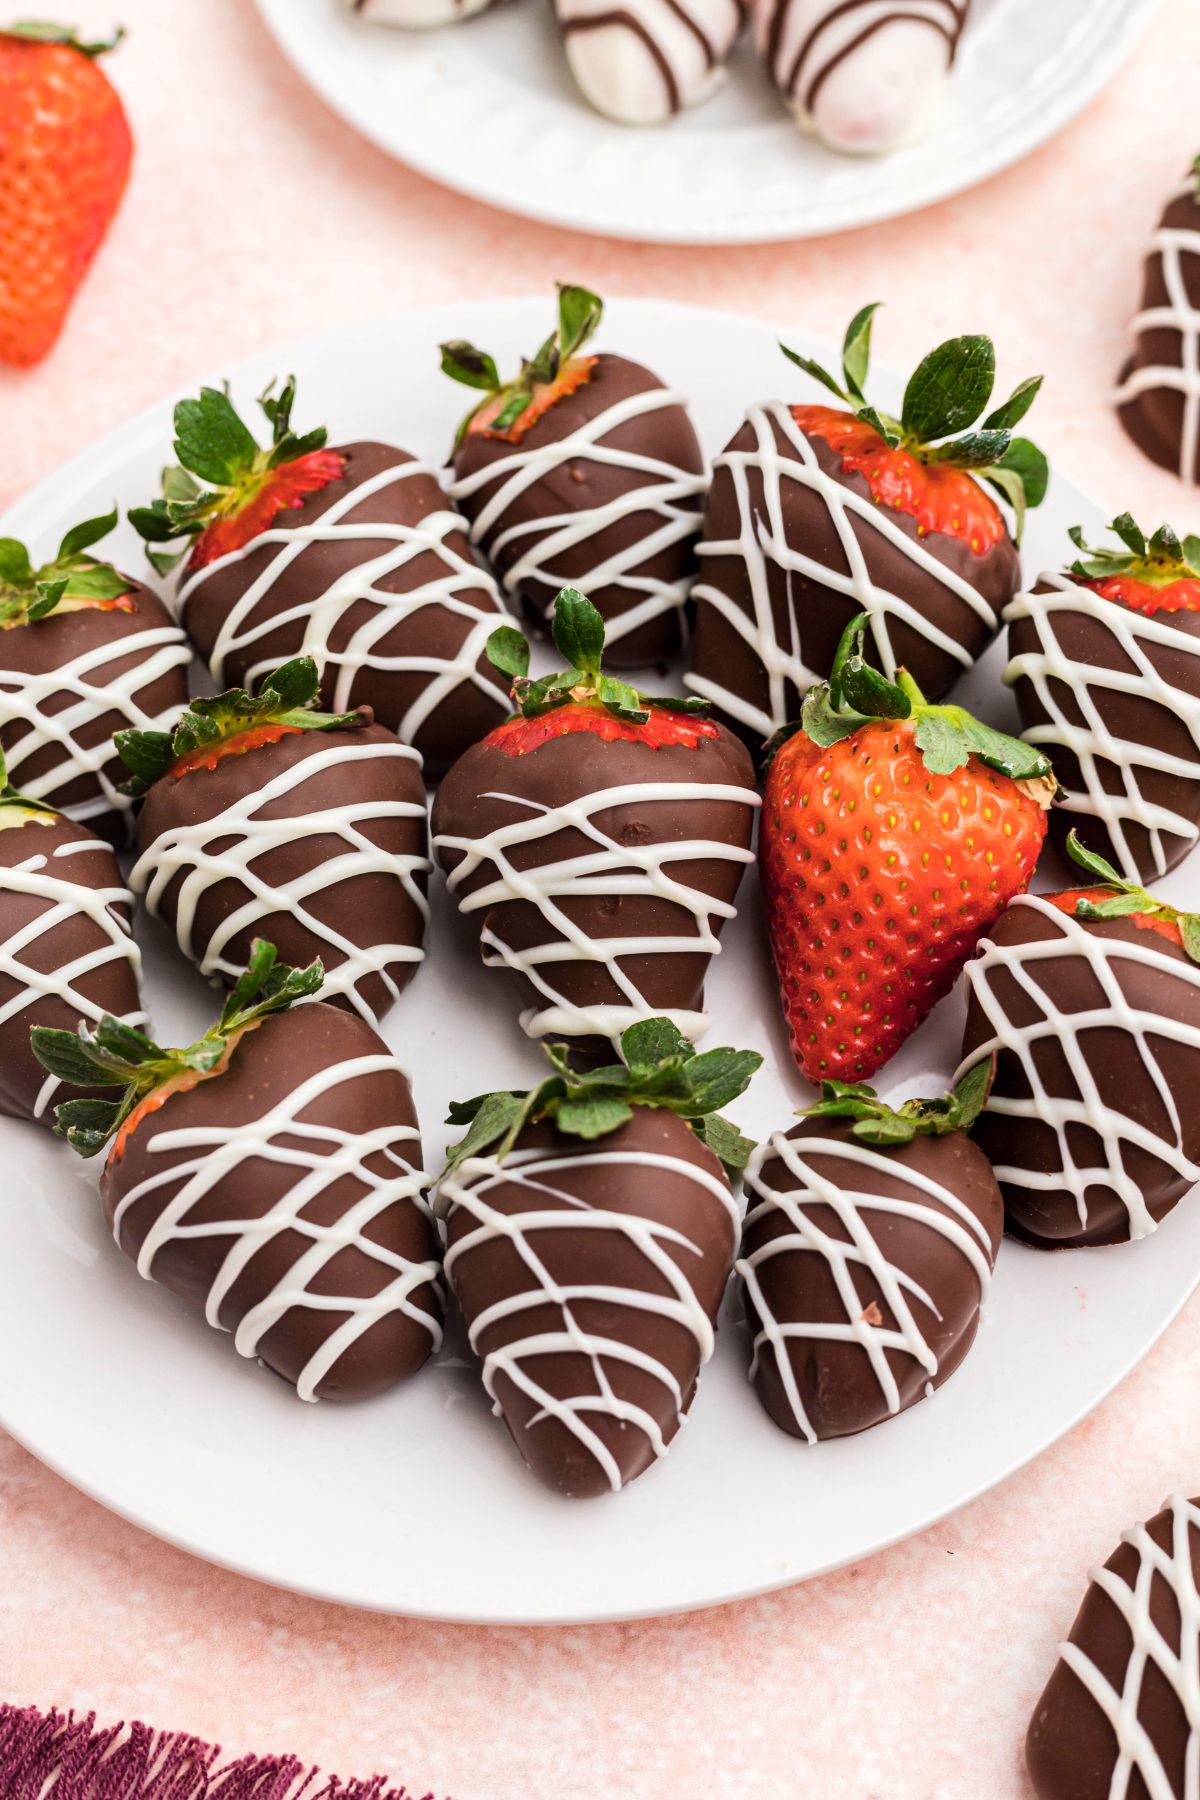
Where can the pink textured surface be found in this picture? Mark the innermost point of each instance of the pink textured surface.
(254, 215)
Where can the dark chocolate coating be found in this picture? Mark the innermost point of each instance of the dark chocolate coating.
(51, 643)
(111, 987)
(495, 1271)
(583, 484)
(267, 1066)
(434, 633)
(1089, 644)
(367, 907)
(1154, 419)
(837, 1387)
(469, 804)
(1072, 1748)
(1049, 1218)
(808, 617)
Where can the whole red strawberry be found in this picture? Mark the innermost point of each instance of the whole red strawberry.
(894, 834)
(65, 151)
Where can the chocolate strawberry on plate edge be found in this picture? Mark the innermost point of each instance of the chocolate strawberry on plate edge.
(270, 1175)
(599, 839)
(353, 556)
(817, 513)
(590, 1234)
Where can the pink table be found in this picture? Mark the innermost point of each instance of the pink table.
(254, 216)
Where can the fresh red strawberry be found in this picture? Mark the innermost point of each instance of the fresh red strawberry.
(599, 838)
(228, 488)
(65, 151)
(894, 833)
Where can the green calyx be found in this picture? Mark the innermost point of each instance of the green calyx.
(1157, 561)
(28, 593)
(579, 639)
(940, 418)
(115, 1055)
(220, 461)
(1129, 900)
(12, 803)
(579, 314)
(38, 31)
(659, 1068)
(885, 1127)
(285, 698)
(856, 694)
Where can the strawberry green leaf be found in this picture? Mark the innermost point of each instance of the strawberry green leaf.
(1003, 418)
(474, 368)
(725, 1141)
(579, 315)
(38, 31)
(578, 630)
(294, 685)
(949, 389)
(879, 423)
(856, 350)
(823, 721)
(816, 371)
(82, 537)
(652, 1041)
(1189, 931)
(1094, 863)
(508, 651)
(718, 1076)
(976, 450)
(211, 440)
(942, 742)
(15, 566)
(593, 1115)
(1130, 533)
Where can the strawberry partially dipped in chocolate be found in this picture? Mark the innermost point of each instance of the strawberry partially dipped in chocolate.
(1105, 664)
(583, 471)
(266, 816)
(66, 949)
(353, 556)
(870, 1238)
(84, 652)
(894, 833)
(818, 513)
(270, 1176)
(590, 1233)
(598, 838)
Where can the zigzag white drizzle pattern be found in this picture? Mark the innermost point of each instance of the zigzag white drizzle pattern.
(463, 578)
(1171, 244)
(853, 1201)
(469, 1185)
(186, 849)
(558, 534)
(762, 542)
(44, 877)
(612, 868)
(1136, 1751)
(94, 693)
(328, 1156)
(1095, 742)
(1104, 956)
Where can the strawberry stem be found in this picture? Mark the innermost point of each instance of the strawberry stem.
(1158, 562)
(36, 31)
(28, 594)
(1129, 899)
(579, 315)
(885, 1127)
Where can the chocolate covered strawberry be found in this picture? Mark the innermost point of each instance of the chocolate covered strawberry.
(353, 556)
(65, 151)
(870, 1238)
(270, 1175)
(590, 1233)
(818, 513)
(584, 470)
(1090, 1000)
(84, 652)
(598, 838)
(1105, 662)
(1158, 396)
(264, 815)
(66, 950)
(894, 834)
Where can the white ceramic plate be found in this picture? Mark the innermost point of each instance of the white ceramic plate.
(416, 1502)
(490, 108)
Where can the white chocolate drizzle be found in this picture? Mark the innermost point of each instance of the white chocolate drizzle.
(47, 879)
(469, 1187)
(1171, 244)
(1114, 1131)
(464, 589)
(537, 545)
(612, 868)
(857, 1204)
(93, 692)
(639, 61)
(322, 1156)
(244, 835)
(762, 544)
(1095, 742)
(1175, 1566)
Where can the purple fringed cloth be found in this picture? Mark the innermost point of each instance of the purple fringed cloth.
(56, 1756)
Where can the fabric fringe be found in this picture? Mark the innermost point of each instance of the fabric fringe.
(56, 1756)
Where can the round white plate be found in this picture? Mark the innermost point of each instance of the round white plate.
(489, 107)
(416, 1502)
